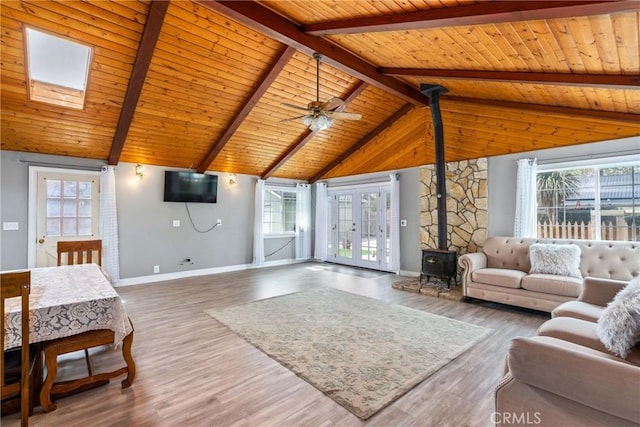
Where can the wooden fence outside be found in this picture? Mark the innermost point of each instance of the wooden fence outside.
(585, 231)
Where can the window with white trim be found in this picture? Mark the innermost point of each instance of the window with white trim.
(279, 211)
(587, 200)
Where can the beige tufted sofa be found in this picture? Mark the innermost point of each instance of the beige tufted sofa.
(499, 272)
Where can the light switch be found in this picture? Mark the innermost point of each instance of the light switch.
(403, 223)
(176, 223)
(10, 226)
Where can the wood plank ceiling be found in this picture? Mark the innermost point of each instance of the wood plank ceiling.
(200, 84)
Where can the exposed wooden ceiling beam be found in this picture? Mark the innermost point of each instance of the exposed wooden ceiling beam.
(565, 79)
(473, 14)
(307, 135)
(150, 34)
(266, 81)
(371, 135)
(627, 118)
(273, 25)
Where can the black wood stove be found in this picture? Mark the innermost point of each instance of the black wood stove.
(439, 262)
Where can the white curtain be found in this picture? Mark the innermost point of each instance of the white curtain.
(525, 220)
(258, 231)
(394, 262)
(109, 224)
(322, 215)
(303, 221)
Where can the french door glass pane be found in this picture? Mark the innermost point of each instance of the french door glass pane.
(388, 227)
(369, 226)
(345, 226)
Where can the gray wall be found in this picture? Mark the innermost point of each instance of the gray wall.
(502, 175)
(146, 232)
(147, 237)
(410, 251)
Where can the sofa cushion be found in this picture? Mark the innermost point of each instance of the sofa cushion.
(561, 260)
(619, 325)
(552, 284)
(580, 332)
(579, 310)
(498, 277)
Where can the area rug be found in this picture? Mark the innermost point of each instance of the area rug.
(362, 352)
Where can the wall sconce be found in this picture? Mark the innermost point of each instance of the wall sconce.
(232, 179)
(139, 173)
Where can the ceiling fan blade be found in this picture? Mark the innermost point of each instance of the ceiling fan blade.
(297, 107)
(293, 118)
(344, 116)
(332, 104)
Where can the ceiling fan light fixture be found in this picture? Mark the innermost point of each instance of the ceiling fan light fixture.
(316, 123)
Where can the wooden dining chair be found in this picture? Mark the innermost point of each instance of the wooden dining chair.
(17, 284)
(80, 252)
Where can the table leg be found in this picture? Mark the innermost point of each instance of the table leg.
(51, 362)
(128, 359)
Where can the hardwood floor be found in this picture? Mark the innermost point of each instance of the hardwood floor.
(192, 371)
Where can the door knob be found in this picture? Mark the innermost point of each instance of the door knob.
(41, 241)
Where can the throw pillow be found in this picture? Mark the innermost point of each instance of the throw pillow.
(561, 260)
(619, 325)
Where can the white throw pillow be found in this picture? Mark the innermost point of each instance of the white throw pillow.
(619, 325)
(561, 260)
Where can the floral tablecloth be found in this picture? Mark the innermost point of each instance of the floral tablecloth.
(65, 301)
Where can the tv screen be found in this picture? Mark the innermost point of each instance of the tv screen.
(190, 187)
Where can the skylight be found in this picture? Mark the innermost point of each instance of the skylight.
(57, 69)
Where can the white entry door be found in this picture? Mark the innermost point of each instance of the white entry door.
(67, 208)
(360, 227)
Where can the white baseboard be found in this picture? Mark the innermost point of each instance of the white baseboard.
(200, 272)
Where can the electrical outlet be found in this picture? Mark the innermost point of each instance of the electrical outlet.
(176, 223)
(218, 222)
(156, 269)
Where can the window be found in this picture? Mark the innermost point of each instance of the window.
(279, 211)
(69, 208)
(595, 202)
(57, 69)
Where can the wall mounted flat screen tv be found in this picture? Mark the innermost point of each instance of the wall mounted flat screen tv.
(190, 187)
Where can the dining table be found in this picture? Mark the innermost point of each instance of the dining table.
(70, 306)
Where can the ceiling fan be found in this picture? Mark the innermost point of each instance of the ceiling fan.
(320, 115)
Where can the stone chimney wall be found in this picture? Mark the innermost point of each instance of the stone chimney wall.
(466, 205)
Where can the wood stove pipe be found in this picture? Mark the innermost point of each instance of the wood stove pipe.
(434, 92)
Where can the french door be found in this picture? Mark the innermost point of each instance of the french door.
(360, 227)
